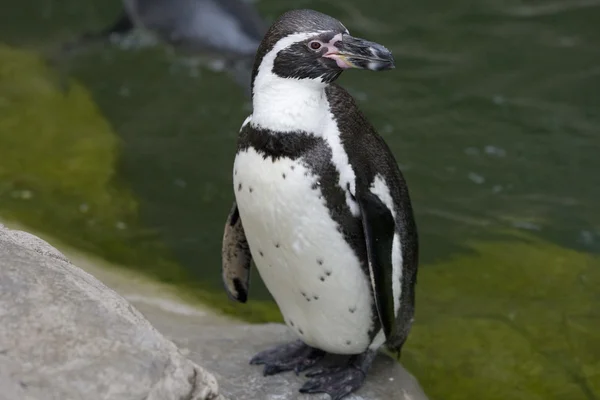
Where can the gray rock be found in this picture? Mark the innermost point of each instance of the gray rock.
(64, 335)
(31, 242)
(227, 350)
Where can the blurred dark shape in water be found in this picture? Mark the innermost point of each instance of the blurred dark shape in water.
(228, 30)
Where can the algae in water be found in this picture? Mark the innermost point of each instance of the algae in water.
(517, 320)
(58, 158)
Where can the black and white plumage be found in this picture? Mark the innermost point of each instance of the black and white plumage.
(321, 206)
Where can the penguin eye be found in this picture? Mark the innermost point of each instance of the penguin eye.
(315, 45)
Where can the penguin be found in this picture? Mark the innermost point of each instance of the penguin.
(224, 27)
(321, 208)
(228, 30)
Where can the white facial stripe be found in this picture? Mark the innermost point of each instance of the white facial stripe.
(335, 39)
(266, 66)
(330, 46)
(286, 104)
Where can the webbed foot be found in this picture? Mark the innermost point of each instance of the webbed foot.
(295, 356)
(339, 381)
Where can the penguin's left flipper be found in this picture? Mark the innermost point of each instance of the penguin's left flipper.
(236, 257)
(379, 228)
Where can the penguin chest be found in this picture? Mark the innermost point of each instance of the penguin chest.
(311, 271)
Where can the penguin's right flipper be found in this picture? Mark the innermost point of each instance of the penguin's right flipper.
(236, 257)
(378, 226)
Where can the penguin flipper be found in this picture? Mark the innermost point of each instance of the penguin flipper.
(379, 228)
(236, 258)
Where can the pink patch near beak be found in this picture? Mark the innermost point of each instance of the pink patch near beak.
(339, 59)
(333, 53)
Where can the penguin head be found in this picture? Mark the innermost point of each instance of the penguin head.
(310, 46)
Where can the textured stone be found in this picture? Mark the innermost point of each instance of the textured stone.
(31, 242)
(228, 349)
(65, 335)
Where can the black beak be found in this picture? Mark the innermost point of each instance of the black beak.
(360, 53)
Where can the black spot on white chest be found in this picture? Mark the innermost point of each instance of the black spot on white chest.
(305, 261)
(322, 161)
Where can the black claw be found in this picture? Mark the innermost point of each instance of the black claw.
(260, 358)
(295, 356)
(256, 361)
(306, 364)
(339, 381)
(271, 369)
(310, 387)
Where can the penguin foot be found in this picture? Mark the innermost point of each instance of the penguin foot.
(295, 356)
(339, 381)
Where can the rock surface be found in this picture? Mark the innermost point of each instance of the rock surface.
(228, 350)
(65, 335)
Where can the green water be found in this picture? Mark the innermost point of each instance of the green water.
(493, 112)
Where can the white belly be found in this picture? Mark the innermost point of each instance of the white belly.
(311, 271)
